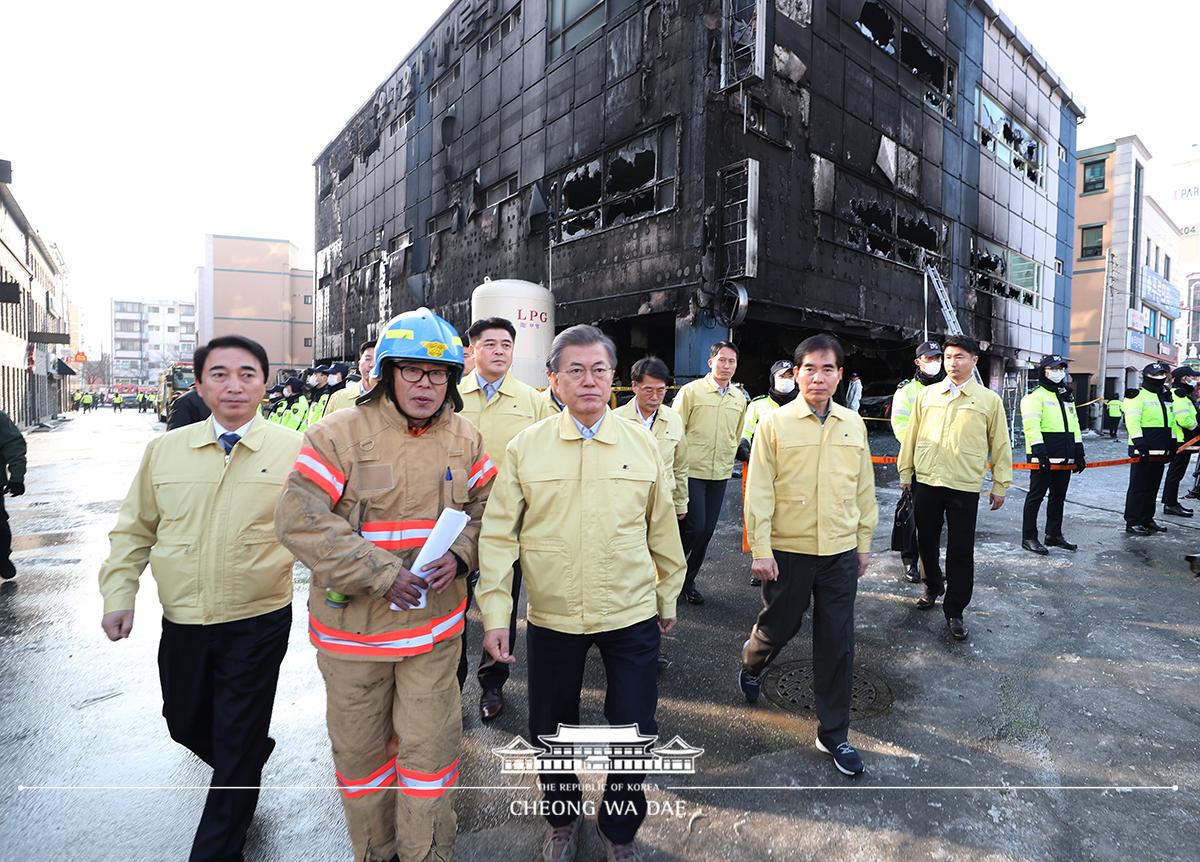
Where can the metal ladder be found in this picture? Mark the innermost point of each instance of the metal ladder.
(953, 327)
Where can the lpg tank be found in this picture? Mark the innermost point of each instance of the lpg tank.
(530, 307)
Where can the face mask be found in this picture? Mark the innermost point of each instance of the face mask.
(312, 380)
(1157, 378)
(931, 369)
(784, 385)
(1056, 375)
(334, 378)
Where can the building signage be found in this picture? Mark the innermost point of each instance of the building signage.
(1136, 319)
(1137, 342)
(1160, 293)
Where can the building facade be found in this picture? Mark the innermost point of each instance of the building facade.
(675, 171)
(253, 287)
(1126, 277)
(34, 319)
(147, 335)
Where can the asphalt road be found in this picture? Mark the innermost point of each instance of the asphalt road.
(1066, 728)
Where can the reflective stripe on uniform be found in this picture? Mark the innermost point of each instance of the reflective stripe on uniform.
(383, 777)
(414, 783)
(397, 644)
(310, 465)
(397, 534)
(483, 470)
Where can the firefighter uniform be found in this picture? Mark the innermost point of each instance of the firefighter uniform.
(1052, 435)
(364, 495)
(1183, 407)
(667, 429)
(1150, 427)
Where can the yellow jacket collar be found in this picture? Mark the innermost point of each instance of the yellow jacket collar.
(568, 430)
(201, 434)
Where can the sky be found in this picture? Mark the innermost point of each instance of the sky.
(135, 129)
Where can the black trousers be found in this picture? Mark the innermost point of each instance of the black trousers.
(1176, 470)
(1142, 493)
(1111, 424)
(556, 664)
(218, 685)
(705, 497)
(6, 563)
(832, 584)
(1056, 483)
(935, 506)
(491, 673)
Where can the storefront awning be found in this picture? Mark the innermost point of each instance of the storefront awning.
(62, 369)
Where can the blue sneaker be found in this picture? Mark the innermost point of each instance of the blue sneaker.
(751, 685)
(845, 758)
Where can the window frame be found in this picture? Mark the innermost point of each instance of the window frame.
(1089, 187)
(1084, 246)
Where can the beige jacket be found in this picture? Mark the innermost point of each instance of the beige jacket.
(714, 426)
(672, 445)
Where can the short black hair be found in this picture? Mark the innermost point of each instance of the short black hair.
(650, 366)
(818, 343)
(481, 326)
(718, 346)
(963, 343)
(239, 341)
(364, 347)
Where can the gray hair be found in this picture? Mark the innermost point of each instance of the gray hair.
(582, 335)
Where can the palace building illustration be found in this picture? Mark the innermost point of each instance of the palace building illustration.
(598, 748)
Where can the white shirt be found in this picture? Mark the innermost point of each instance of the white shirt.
(220, 429)
(648, 421)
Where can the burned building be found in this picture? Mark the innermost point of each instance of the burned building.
(673, 169)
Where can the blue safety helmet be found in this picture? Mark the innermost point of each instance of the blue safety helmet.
(420, 336)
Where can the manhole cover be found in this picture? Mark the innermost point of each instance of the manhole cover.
(789, 686)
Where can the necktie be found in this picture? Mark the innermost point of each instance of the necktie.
(229, 440)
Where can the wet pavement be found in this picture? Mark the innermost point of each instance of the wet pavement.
(1066, 728)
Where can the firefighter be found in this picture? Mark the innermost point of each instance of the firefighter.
(367, 487)
(1052, 436)
(1150, 427)
(781, 389)
(928, 362)
(1183, 406)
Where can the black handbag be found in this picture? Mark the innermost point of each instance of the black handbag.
(901, 523)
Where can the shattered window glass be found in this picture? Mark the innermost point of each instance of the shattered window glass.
(930, 67)
(1014, 146)
(896, 231)
(1004, 273)
(743, 42)
(875, 22)
(738, 199)
(631, 181)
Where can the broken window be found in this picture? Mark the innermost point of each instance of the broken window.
(875, 22)
(879, 24)
(1014, 146)
(737, 189)
(1004, 273)
(888, 228)
(572, 21)
(445, 220)
(900, 165)
(629, 182)
(743, 41)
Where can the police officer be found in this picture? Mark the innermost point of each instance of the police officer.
(1183, 406)
(781, 389)
(319, 396)
(1052, 436)
(928, 362)
(1112, 421)
(1150, 426)
(293, 407)
(364, 495)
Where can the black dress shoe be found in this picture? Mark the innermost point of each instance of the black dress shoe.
(663, 661)
(1155, 527)
(958, 631)
(1060, 542)
(755, 582)
(1178, 511)
(1035, 546)
(912, 574)
(693, 596)
(928, 599)
(1138, 530)
(491, 704)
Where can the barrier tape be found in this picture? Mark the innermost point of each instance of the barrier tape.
(1189, 446)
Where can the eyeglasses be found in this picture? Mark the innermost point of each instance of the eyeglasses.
(412, 374)
(651, 390)
(576, 373)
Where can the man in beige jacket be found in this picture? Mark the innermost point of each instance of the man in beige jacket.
(201, 513)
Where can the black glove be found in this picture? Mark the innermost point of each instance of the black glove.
(743, 450)
(1137, 447)
(1080, 458)
(15, 488)
(1038, 451)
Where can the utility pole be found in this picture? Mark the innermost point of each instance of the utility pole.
(1110, 283)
